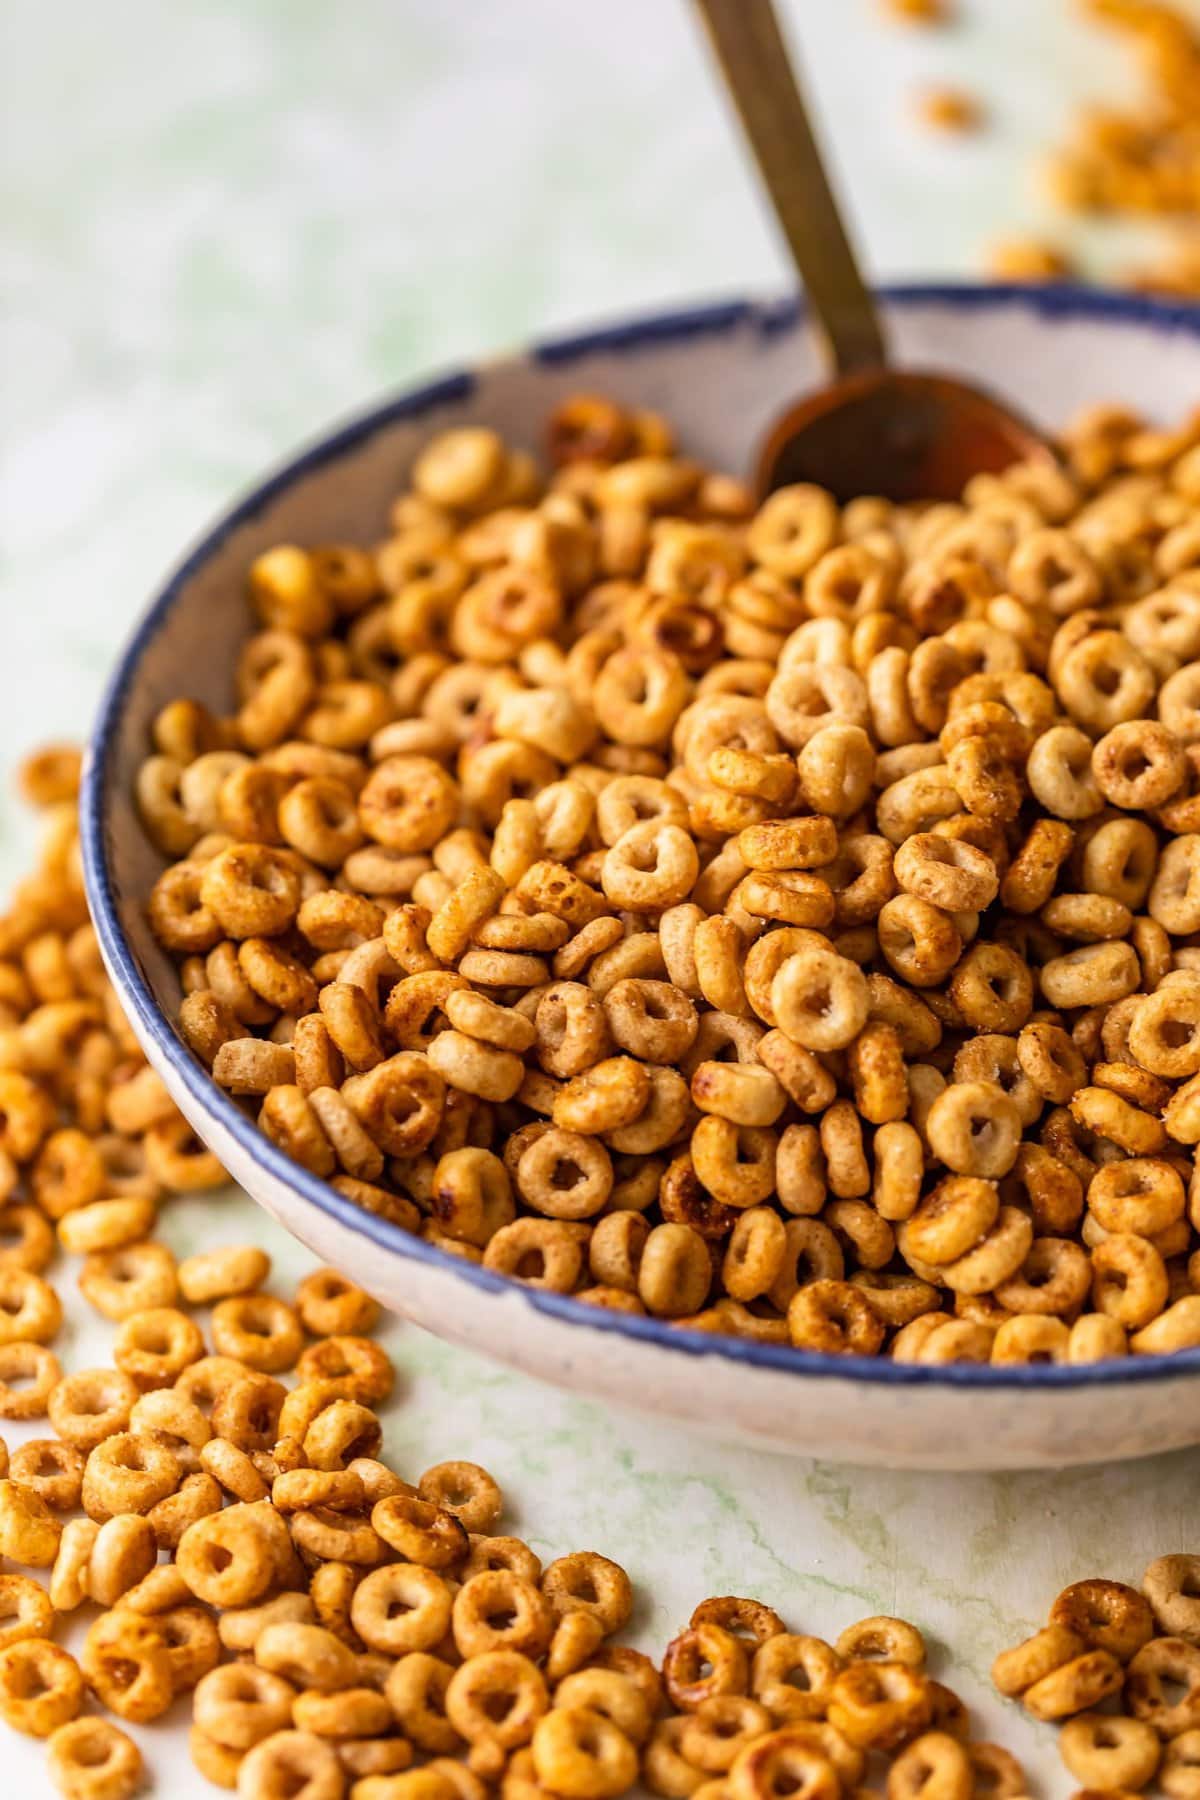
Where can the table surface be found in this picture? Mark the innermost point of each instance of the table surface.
(230, 221)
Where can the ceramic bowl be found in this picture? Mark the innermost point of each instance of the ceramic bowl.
(721, 373)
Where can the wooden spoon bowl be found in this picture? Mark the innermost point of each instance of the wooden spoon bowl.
(893, 432)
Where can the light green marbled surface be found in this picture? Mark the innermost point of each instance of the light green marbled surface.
(231, 220)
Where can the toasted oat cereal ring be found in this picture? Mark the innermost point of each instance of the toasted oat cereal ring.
(155, 1346)
(587, 1582)
(91, 1405)
(408, 803)
(26, 1236)
(305, 1655)
(356, 1712)
(129, 1279)
(30, 1310)
(819, 1000)
(789, 1760)
(1110, 1754)
(29, 1532)
(720, 1729)
(128, 1473)
(1158, 1670)
(28, 1114)
(750, 1621)
(1055, 1278)
(259, 1330)
(295, 1490)
(92, 1759)
(1050, 1060)
(26, 1610)
(1107, 1615)
(933, 1763)
(950, 1219)
(612, 1093)
(471, 1195)
(222, 1274)
(169, 1413)
(321, 1534)
(193, 1646)
(399, 1103)
(665, 1769)
(37, 1370)
(107, 1224)
(996, 1770)
(291, 1763)
(362, 1365)
(1129, 1280)
(72, 1168)
(160, 1591)
(834, 1318)
(239, 1629)
(1164, 1031)
(232, 1558)
(126, 1664)
(239, 1704)
(216, 1762)
(400, 1608)
(582, 1753)
(420, 1532)
(974, 1128)
(1143, 1195)
(1047, 1650)
(41, 1687)
(498, 1610)
(691, 1653)
(248, 1409)
(232, 1469)
(416, 1691)
(178, 1160)
(1172, 1586)
(499, 1695)
(1074, 1686)
(197, 1495)
(1179, 1775)
(993, 1261)
(793, 1675)
(51, 1470)
(882, 1639)
(340, 1432)
(1030, 1338)
(606, 1691)
(503, 1553)
(877, 1705)
(466, 1491)
(252, 890)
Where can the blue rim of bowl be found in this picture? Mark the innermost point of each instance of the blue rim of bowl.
(676, 325)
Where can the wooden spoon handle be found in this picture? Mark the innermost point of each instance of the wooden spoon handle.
(754, 59)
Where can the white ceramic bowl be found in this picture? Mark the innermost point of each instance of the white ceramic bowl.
(720, 373)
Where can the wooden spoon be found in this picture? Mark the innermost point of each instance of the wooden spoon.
(875, 430)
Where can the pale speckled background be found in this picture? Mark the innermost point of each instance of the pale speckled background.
(229, 221)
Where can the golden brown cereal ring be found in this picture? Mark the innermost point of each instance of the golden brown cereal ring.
(91, 1759)
(41, 1687)
(127, 1665)
(1107, 1615)
(1169, 1584)
(1074, 1686)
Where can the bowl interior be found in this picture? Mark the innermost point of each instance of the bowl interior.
(721, 374)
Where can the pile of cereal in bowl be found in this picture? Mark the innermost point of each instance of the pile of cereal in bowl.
(778, 922)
